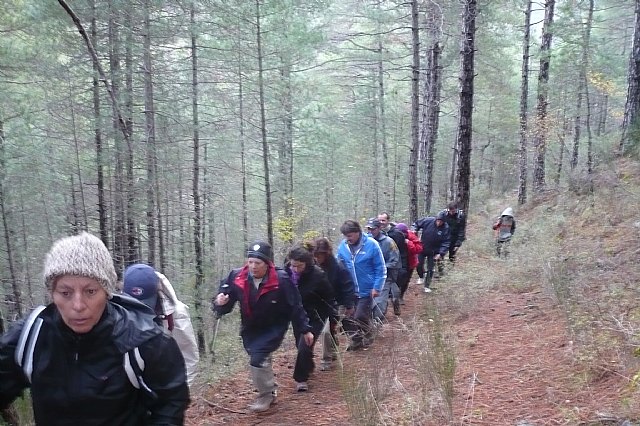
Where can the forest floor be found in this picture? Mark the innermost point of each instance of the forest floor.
(488, 346)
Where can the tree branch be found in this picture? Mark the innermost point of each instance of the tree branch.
(96, 61)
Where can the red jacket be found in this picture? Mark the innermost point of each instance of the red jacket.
(415, 247)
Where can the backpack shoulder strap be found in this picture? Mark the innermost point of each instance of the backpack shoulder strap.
(27, 342)
(134, 367)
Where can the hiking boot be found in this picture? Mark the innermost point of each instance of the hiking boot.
(325, 365)
(427, 290)
(355, 345)
(396, 307)
(263, 403)
(421, 280)
(402, 301)
(302, 386)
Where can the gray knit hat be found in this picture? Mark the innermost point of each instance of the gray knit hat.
(82, 255)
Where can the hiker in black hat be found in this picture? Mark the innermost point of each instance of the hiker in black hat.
(269, 302)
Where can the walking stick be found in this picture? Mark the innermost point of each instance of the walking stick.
(225, 289)
(215, 336)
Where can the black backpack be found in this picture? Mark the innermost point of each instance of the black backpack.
(132, 360)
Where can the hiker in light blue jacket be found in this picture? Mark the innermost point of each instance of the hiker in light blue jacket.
(364, 260)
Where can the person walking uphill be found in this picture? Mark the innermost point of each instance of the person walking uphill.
(505, 227)
(392, 263)
(435, 244)
(72, 352)
(319, 303)
(343, 289)
(363, 258)
(152, 288)
(457, 221)
(269, 302)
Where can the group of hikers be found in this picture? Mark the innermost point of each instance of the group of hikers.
(99, 352)
(317, 290)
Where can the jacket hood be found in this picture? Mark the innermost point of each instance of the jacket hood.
(507, 212)
(134, 323)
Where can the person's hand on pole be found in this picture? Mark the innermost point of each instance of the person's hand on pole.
(222, 299)
(374, 292)
(308, 338)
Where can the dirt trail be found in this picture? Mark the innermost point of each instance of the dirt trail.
(514, 366)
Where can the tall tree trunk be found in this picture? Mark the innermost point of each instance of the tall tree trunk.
(582, 83)
(16, 310)
(466, 104)
(589, 138)
(150, 135)
(415, 112)
(243, 159)
(197, 214)
(630, 124)
(97, 131)
(602, 122)
(543, 89)
(562, 137)
(263, 128)
(131, 240)
(285, 151)
(119, 195)
(82, 207)
(524, 107)
(381, 118)
(431, 109)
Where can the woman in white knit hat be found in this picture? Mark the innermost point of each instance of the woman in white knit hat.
(74, 353)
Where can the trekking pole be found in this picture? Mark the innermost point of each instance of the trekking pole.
(215, 336)
(225, 289)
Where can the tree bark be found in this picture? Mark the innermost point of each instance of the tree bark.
(150, 135)
(543, 89)
(263, 128)
(582, 84)
(97, 131)
(524, 107)
(16, 310)
(466, 103)
(630, 125)
(415, 112)
(197, 214)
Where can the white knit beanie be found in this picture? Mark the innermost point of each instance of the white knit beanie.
(82, 255)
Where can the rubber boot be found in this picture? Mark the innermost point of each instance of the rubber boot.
(264, 381)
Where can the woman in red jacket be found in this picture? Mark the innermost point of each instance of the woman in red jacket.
(414, 247)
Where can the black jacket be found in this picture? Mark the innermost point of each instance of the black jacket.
(341, 281)
(266, 312)
(401, 242)
(317, 294)
(457, 226)
(434, 240)
(80, 379)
